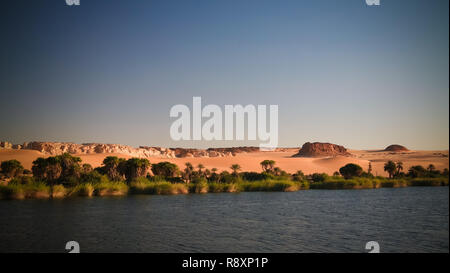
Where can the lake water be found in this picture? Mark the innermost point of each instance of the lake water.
(414, 219)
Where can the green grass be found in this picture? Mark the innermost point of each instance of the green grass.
(22, 191)
(429, 182)
(222, 187)
(36, 189)
(161, 187)
(271, 185)
(58, 191)
(200, 187)
(85, 189)
(336, 183)
(110, 188)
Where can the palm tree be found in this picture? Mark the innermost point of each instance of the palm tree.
(277, 171)
(200, 168)
(369, 171)
(267, 165)
(111, 167)
(214, 176)
(235, 168)
(271, 164)
(399, 167)
(188, 172)
(431, 168)
(390, 167)
(207, 173)
(134, 168)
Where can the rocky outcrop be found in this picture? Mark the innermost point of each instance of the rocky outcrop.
(319, 149)
(5, 145)
(57, 148)
(396, 148)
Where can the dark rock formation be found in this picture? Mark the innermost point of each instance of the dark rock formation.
(320, 149)
(396, 148)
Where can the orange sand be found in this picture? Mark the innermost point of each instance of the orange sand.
(250, 161)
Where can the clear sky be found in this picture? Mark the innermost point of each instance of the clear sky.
(340, 71)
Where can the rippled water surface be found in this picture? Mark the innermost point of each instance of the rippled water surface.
(411, 219)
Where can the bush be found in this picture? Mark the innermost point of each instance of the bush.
(254, 176)
(351, 170)
(165, 169)
(319, 177)
(93, 177)
(23, 180)
(11, 168)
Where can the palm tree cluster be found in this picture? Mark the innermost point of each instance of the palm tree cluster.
(68, 169)
(395, 170)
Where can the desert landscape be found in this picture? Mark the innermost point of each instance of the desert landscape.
(310, 158)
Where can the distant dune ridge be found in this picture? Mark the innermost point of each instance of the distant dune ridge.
(320, 149)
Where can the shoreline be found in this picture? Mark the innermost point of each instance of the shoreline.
(39, 190)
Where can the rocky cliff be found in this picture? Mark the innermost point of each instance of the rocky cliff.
(57, 148)
(319, 149)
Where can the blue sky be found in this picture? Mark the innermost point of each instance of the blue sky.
(340, 71)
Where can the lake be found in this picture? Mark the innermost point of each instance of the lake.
(414, 219)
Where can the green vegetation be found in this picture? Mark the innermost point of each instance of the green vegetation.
(64, 176)
(145, 186)
(351, 170)
(22, 191)
(390, 167)
(11, 168)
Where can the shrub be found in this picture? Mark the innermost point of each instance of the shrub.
(254, 176)
(417, 171)
(165, 169)
(319, 177)
(93, 177)
(299, 176)
(351, 170)
(11, 168)
(23, 180)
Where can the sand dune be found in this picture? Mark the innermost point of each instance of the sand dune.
(283, 158)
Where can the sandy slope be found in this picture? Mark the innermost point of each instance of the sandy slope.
(250, 161)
